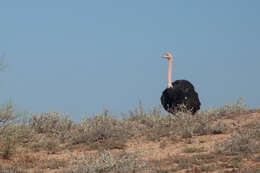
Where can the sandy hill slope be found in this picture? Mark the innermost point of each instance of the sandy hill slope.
(221, 140)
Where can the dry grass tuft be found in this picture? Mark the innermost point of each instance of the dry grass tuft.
(11, 169)
(242, 143)
(101, 132)
(106, 162)
(53, 123)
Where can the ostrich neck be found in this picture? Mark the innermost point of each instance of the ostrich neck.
(170, 73)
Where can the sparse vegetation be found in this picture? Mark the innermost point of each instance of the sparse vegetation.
(53, 123)
(10, 169)
(8, 146)
(192, 150)
(243, 143)
(7, 117)
(53, 164)
(107, 162)
(101, 132)
(105, 143)
(12, 131)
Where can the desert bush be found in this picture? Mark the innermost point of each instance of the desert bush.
(156, 125)
(54, 123)
(7, 116)
(151, 119)
(25, 160)
(204, 158)
(242, 143)
(148, 120)
(52, 146)
(12, 130)
(204, 122)
(14, 134)
(49, 144)
(219, 128)
(152, 124)
(36, 147)
(236, 108)
(11, 170)
(188, 162)
(53, 164)
(251, 170)
(8, 146)
(138, 113)
(202, 125)
(193, 150)
(106, 162)
(227, 110)
(101, 132)
(184, 162)
(183, 123)
(206, 127)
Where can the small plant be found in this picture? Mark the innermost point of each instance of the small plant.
(7, 117)
(162, 171)
(226, 110)
(52, 146)
(202, 124)
(243, 143)
(207, 127)
(192, 150)
(26, 160)
(151, 124)
(219, 128)
(36, 147)
(54, 123)
(184, 124)
(229, 109)
(106, 162)
(208, 168)
(8, 146)
(185, 162)
(101, 132)
(251, 170)
(11, 169)
(204, 158)
(53, 164)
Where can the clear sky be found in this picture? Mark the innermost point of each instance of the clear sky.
(80, 57)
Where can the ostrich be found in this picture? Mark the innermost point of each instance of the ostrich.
(180, 92)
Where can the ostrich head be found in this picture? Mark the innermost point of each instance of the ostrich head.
(170, 61)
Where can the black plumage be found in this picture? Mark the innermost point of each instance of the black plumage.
(182, 92)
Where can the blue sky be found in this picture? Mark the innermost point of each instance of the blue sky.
(80, 57)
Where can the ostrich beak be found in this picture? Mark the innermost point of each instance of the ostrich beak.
(167, 56)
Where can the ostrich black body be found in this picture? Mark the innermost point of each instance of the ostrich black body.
(182, 92)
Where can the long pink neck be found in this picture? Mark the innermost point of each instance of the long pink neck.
(169, 73)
